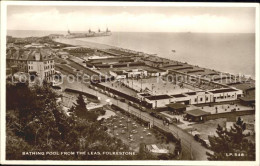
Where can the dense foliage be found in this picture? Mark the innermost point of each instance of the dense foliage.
(232, 144)
(36, 123)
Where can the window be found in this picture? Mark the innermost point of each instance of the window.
(207, 98)
(195, 100)
(200, 99)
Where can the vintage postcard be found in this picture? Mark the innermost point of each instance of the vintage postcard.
(129, 83)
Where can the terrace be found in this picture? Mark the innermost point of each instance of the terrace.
(132, 132)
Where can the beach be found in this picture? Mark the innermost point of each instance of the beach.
(83, 43)
(212, 51)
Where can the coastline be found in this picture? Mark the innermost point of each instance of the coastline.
(94, 45)
(86, 44)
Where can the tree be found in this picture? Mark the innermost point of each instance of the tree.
(81, 111)
(144, 154)
(231, 144)
(36, 123)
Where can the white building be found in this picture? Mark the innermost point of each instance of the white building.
(118, 74)
(41, 62)
(225, 94)
(158, 101)
(121, 74)
(35, 61)
(199, 97)
(135, 73)
(156, 73)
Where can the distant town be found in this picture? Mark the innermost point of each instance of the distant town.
(157, 107)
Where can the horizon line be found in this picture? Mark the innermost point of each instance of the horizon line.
(135, 31)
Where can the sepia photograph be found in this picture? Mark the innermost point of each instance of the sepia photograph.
(129, 83)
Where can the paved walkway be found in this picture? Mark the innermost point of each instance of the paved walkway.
(187, 140)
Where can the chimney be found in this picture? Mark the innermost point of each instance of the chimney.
(37, 56)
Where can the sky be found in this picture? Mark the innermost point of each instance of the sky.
(132, 19)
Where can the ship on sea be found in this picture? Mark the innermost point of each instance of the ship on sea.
(89, 34)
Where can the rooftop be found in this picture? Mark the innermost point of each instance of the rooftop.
(191, 93)
(222, 90)
(178, 95)
(158, 97)
(30, 54)
(144, 94)
(197, 112)
(176, 106)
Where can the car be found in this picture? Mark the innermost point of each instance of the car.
(143, 109)
(169, 120)
(111, 94)
(159, 116)
(130, 103)
(135, 105)
(197, 137)
(122, 99)
(116, 97)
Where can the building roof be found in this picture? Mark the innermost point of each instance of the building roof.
(29, 54)
(176, 106)
(45, 54)
(119, 72)
(191, 93)
(144, 94)
(178, 95)
(197, 112)
(158, 97)
(222, 90)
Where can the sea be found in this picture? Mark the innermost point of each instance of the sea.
(226, 52)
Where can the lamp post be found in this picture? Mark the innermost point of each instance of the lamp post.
(141, 84)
